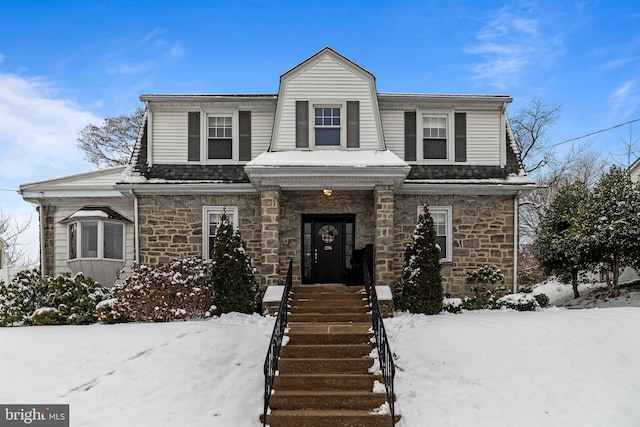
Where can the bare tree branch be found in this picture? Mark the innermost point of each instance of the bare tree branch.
(111, 143)
(10, 231)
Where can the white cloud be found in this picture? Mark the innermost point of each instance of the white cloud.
(624, 100)
(38, 141)
(38, 133)
(513, 42)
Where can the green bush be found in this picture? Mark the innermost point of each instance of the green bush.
(231, 275)
(452, 305)
(542, 300)
(484, 299)
(486, 275)
(178, 290)
(47, 316)
(74, 298)
(420, 287)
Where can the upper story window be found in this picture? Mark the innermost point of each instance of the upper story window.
(434, 137)
(219, 137)
(327, 126)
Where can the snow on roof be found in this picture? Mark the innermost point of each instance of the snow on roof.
(360, 158)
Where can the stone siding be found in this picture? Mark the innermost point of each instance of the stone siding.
(171, 225)
(482, 234)
(48, 215)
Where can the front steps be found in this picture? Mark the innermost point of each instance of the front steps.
(324, 378)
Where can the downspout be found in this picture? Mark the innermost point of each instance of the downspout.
(516, 239)
(42, 239)
(136, 238)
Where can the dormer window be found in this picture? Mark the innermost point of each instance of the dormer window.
(220, 137)
(434, 136)
(327, 126)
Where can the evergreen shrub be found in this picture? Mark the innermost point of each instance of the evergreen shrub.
(420, 287)
(74, 298)
(231, 275)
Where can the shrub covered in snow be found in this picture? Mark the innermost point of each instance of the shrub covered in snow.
(486, 275)
(231, 275)
(177, 290)
(483, 298)
(68, 299)
(452, 305)
(420, 287)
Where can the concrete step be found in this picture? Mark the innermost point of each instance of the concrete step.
(328, 296)
(342, 317)
(332, 289)
(355, 309)
(328, 418)
(300, 399)
(326, 382)
(328, 303)
(326, 351)
(308, 365)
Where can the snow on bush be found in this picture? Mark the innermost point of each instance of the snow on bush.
(177, 290)
(68, 299)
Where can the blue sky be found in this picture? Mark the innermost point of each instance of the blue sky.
(64, 64)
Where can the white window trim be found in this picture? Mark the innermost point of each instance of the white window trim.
(235, 137)
(420, 136)
(448, 211)
(100, 243)
(206, 210)
(342, 105)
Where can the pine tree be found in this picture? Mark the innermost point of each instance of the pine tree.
(231, 274)
(609, 230)
(421, 283)
(556, 246)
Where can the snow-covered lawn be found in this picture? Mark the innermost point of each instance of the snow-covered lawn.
(555, 367)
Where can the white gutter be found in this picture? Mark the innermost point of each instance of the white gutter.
(516, 240)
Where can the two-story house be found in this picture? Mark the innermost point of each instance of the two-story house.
(325, 166)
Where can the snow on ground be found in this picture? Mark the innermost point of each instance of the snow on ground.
(554, 367)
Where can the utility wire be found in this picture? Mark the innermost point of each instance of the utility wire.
(594, 133)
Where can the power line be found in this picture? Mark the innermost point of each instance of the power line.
(594, 133)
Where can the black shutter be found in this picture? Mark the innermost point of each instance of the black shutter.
(353, 124)
(410, 136)
(245, 136)
(193, 137)
(461, 137)
(302, 124)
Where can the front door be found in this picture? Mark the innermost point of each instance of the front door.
(327, 248)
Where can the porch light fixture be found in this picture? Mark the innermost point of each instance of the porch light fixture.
(327, 192)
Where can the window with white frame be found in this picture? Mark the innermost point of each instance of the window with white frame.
(327, 124)
(434, 136)
(211, 218)
(219, 136)
(96, 239)
(442, 222)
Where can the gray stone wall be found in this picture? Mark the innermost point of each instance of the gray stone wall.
(171, 225)
(48, 215)
(482, 234)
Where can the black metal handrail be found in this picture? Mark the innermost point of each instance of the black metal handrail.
(385, 356)
(271, 361)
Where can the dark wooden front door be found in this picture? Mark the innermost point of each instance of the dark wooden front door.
(327, 248)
